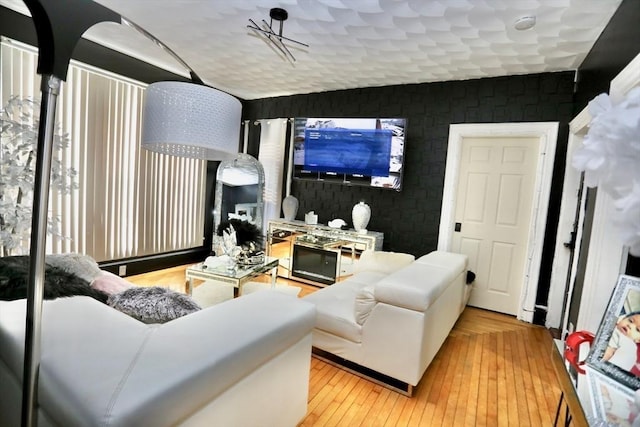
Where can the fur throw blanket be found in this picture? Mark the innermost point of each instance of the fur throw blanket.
(14, 275)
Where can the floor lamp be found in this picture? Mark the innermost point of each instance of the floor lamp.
(58, 28)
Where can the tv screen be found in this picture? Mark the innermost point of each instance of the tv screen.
(350, 151)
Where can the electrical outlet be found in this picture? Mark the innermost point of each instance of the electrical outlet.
(122, 270)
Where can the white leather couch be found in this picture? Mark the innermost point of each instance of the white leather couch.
(393, 314)
(244, 362)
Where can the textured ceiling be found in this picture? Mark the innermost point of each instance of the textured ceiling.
(355, 43)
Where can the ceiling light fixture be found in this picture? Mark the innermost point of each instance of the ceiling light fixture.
(188, 119)
(525, 22)
(271, 37)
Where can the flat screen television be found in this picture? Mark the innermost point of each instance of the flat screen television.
(350, 151)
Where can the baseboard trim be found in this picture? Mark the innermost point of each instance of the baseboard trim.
(147, 263)
(364, 372)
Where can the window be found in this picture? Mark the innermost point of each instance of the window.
(130, 202)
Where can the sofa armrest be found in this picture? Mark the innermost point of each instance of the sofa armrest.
(101, 367)
(221, 345)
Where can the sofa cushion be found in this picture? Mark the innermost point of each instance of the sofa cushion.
(362, 279)
(334, 311)
(382, 262)
(418, 285)
(365, 301)
(454, 263)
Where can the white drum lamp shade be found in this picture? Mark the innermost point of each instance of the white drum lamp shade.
(191, 120)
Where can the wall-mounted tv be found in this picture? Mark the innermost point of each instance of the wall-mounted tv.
(368, 151)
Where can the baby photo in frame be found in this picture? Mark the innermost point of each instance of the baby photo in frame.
(612, 403)
(616, 348)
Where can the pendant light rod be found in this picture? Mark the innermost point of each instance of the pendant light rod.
(271, 37)
(268, 33)
(194, 77)
(279, 35)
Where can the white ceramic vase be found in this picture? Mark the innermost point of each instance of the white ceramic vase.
(290, 207)
(361, 214)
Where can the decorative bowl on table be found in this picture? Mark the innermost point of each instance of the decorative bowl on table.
(250, 258)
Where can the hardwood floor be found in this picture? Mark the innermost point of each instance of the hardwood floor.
(492, 370)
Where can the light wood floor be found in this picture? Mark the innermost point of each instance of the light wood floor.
(492, 370)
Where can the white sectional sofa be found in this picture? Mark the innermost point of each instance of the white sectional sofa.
(393, 314)
(244, 362)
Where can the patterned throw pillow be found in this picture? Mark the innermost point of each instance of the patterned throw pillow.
(58, 283)
(153, 304)
(80, 265)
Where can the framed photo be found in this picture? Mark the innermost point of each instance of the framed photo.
(616, 348)
(612, 403)
(249, 209)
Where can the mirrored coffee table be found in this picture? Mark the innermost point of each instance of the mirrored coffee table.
(237, 276)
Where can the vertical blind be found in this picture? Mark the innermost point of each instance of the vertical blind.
(130, 202)
(272, 141)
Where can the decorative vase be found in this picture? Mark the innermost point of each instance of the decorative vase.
(290, 207)
(360, 215)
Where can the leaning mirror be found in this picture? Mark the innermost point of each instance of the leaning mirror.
(239, 191)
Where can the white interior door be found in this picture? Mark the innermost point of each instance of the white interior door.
(493, 213)
(542, 135)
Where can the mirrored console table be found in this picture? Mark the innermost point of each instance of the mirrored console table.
(314, 253)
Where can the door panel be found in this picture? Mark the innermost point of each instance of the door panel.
(500, 272)
(509, 200)
(494, 200)
(475, 198)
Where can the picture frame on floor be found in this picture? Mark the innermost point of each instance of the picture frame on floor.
(616, 349)
(612, 403)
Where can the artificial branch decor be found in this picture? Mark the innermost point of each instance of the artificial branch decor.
(19, 121)
(610, 159)
(245, 231)
(246, 241)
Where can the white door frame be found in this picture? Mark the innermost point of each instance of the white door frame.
(560, 268)
(607, 256)
(547, 135)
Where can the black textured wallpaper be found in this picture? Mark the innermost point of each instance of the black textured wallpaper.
(410, 219)
(614, 49)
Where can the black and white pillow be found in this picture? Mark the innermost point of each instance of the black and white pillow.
(153, 304)
(14, 275)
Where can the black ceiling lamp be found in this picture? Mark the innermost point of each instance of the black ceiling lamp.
(271, 37)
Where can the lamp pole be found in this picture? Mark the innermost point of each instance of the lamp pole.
(59, 26)
(58, 29)
(50, 88)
